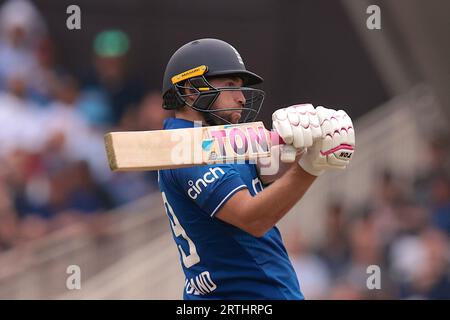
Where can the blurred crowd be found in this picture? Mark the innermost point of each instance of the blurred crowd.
(403, 228)
(53, 166)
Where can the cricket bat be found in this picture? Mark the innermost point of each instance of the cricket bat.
(170, 149)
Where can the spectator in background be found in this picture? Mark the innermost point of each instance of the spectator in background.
(125, 187)
(150, 113)
(312, 272)
(147, 116)
(8, 217)
(20, 118)
(77, 197)
(46, 74)
(433, 281)
(387, 197)
(440, 203)
(334, 250)
(109, 91)
(366, 249)
(69, 135)
(437, 163)
(21, 27)
(29, 189)
(86, 195)
(430, 275)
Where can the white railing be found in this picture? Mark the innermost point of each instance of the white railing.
(151, 271)
(38, 270)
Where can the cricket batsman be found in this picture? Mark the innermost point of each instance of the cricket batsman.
(223, 216)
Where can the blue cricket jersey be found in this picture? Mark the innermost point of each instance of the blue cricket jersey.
(219, 260)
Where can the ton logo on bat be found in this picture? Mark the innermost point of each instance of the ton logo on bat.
(239, 140)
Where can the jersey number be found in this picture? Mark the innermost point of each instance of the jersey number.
(192, 258)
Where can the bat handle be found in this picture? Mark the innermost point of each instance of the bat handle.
(288, 152)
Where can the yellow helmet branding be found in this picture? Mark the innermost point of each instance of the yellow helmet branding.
(195, 72)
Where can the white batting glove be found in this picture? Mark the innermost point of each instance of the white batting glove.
(335, 148)
(298, 126)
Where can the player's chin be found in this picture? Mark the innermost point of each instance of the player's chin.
(235, 117)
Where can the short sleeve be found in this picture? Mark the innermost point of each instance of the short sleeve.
(210, 187)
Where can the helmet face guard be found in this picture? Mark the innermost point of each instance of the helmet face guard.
(203, 95)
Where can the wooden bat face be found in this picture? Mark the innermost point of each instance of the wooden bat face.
(163, 149)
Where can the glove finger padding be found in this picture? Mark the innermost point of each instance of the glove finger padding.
(348, 125)
(309, 123)
(316, 131)
(297, 129)
(281, 124)
(298, 125)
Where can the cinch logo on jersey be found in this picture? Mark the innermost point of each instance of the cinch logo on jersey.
(208, 177)
(237, 140)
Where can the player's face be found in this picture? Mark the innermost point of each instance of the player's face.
(229, 99)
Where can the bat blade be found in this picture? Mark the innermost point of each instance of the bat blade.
(164, 149)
